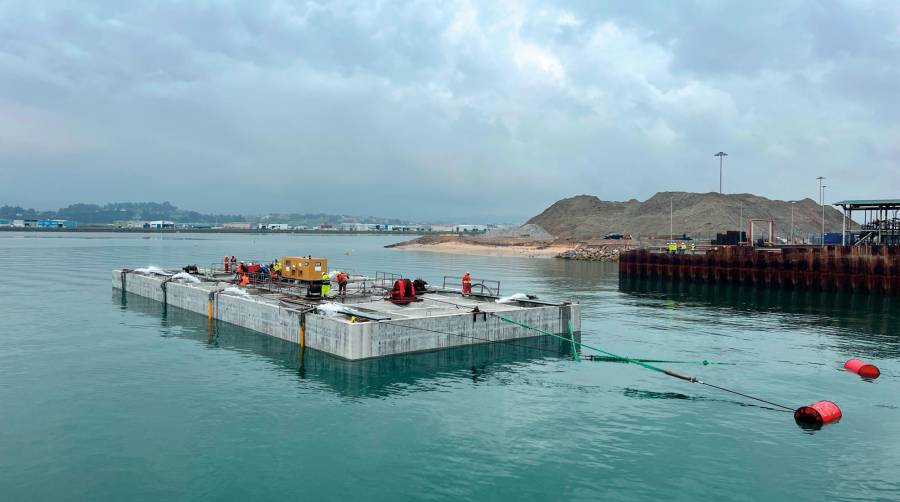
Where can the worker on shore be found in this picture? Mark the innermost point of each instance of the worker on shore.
(233, 263)
(326, 285)
(342, 279)
(467, 284)
(681, 247)
(277, 267)
(227, 263)
(244, 280)
(672, 247)
(693, 248)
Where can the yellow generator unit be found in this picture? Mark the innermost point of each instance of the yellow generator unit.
(303, 268)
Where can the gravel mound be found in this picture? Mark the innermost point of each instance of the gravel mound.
(700, 215)
(526, 231)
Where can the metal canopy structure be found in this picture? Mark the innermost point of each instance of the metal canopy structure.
(868, 203)
(880, 223)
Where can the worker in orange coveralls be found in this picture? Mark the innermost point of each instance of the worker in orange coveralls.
(467, 284)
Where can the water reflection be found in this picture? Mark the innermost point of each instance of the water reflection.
(354, 379)
(867, 325)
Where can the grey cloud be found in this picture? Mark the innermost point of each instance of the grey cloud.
(469, 110)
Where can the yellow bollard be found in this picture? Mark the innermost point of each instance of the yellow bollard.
(302, 339)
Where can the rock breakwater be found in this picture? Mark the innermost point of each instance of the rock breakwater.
(591, 253)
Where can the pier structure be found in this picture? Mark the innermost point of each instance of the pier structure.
(864, 269)
(878, 222)
(362, 327)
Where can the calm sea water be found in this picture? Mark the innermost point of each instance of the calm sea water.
(112, 398)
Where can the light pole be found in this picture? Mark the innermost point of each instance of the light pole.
(671, 232)
(823, 213)
(721, 156)
(792, 221)
(822, 203)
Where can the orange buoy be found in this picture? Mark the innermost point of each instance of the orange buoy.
(821, 413)
(863, 368)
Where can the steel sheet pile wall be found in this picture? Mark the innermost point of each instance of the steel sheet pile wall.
(869, 269)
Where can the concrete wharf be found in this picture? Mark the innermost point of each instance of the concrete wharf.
(364, 326)
(863, 269)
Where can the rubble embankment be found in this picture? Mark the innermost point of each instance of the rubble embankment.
(591, 253)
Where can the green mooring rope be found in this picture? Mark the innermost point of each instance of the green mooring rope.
(610, 359)
(642, 362)
(610, 354)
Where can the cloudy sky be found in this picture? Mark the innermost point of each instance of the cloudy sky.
(443, 110)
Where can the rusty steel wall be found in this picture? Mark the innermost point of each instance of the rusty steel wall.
(865, 269)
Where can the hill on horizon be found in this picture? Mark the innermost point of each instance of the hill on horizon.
(700, 215)
(125, 211)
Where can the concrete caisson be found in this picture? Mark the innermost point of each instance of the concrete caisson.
(419, 328)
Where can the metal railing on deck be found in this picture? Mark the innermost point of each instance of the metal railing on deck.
(219, 267)
(360, 288)
(386, 280)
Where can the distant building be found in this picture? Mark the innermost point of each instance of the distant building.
(24, 223)
(56, 224)
(356, 227)
(457, 228)
(159, 224)
(239, 225)
(274, 226)
(470, 228)
(5, 223)
(326, 226)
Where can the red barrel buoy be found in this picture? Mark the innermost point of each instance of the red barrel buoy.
(863, 368)
(821, 413)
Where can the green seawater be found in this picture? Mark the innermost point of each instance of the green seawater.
(111, 397)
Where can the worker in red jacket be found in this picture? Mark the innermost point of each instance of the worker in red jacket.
(342, 283)
(467, 284)
(227, 268)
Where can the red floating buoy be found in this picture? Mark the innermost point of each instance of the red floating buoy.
(821, 413)
(863, 368)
